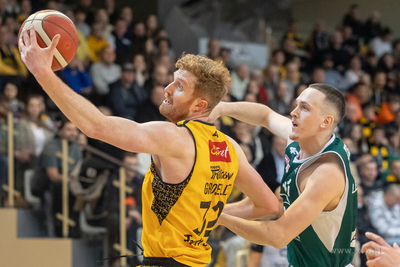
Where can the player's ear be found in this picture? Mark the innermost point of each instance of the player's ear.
(201, 104)
(328, 121)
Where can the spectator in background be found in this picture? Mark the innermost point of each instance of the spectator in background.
(139, 39)
(240, 80)
(363, 221)
(393, 137)
(80, 23)
(389, 109)
(394, 171)
(333, 77)
(163, 49)
(141, 69)
(86, 6)
(10, 91)
(278, 58)
(378, 147)
(126, 15)
(102, 18)
(151, 26)
(368, 170)
(272, 79)
(350, 42)
(159, 77)
(120, 42)
(380, 91)
(96, 41)
(225, 56)
(292, 34)
(103, 74)
(257, 77)
(109, 6)
(150, 109)
(4, 109)
(354, 73)
(281, 100)
(370, 63)
(318, 42)
(318, 75)
(48, 173)
(214, 49)
(272, 165)
(292, 76)
(133, 219)
(381, 44)
(352, 19)
(25, 10)
(33, 134)
(126, 96)
(372, 27)
(10, 58)
(384, 210)
(336, 52)
(358, 97)
(83, 52)
(77, 77)
(243, 135)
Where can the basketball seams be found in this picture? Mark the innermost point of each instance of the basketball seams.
(45, 22)
(57, 55)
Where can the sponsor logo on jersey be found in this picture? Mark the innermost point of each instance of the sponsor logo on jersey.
(218, 173)
(287, 163)
(294, 151)
(219, 151)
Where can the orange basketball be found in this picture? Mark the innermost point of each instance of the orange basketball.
(49, 23)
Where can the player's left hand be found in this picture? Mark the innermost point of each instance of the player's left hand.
(38, 60)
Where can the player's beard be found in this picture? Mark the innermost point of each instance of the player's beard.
(175, 113)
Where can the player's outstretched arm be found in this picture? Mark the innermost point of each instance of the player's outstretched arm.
(260, 201)
(256, 114)
(119, 132)
(323, 186)
(379, 253)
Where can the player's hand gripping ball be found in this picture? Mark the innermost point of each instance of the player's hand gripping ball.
(49, 23)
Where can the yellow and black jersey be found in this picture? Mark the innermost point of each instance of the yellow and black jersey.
(178, 218)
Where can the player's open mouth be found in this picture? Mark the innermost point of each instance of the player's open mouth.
(294, 124)
(166, 102)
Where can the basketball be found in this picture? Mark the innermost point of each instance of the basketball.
(49, 23)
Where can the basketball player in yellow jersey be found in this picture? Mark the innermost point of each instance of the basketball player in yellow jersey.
(193, 168)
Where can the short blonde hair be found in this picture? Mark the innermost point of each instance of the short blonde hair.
(212, 78)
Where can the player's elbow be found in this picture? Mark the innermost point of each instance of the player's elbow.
(279, 241)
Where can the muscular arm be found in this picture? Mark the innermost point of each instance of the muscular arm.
(260, 200)
(256, 114)
(323, 186)
(123, 133)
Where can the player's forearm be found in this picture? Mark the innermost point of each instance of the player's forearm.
(252, 113)
(247, 210)
(263, 233)
(80, 111)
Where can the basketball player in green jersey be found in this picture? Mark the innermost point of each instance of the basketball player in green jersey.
(318, 190)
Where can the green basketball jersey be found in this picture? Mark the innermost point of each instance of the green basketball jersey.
(330, 240)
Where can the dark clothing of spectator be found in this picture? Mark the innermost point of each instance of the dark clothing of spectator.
(122, 47)
(371, 30)
(355, 25)
(267, 170)
(340, 57)
(125, 102)
(378, 185)
(149, 112)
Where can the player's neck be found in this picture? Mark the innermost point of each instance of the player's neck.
(311, 146)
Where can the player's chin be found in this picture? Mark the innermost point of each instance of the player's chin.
(293, 136)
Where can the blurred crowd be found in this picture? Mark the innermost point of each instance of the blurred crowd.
(123, 65)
